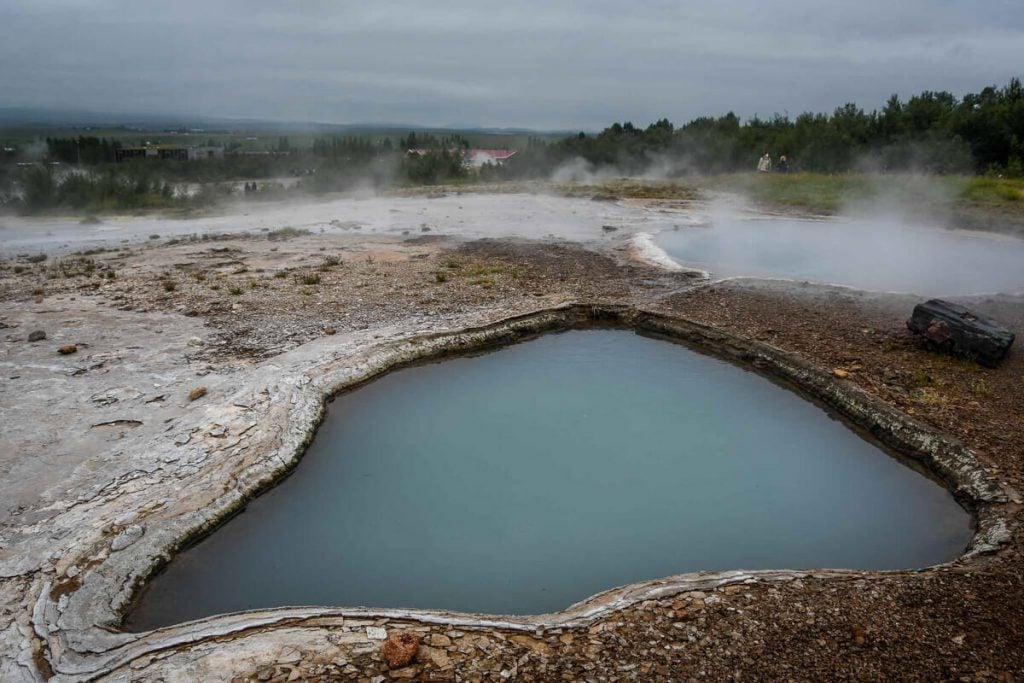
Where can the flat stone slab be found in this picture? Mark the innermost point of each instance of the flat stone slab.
(954, 329)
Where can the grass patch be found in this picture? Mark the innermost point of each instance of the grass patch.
(635, 188)
(235, 291)
(990, 190)
(71, 266)
(440, 276)
(285, 233)
(830, 193)
(309, 279)
(485, 271)
(329, 262)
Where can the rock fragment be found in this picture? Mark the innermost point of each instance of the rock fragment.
(399, 649)
(67, 349)
(198, 392)
(36, 335)
(127, 537)
(438, 640)
(955, 329)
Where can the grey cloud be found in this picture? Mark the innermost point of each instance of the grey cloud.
(570, 64)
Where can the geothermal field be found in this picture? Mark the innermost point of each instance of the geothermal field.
(540, 434)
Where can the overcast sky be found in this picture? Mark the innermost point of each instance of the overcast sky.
(539, 63)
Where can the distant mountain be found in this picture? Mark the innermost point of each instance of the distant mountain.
(70, 118)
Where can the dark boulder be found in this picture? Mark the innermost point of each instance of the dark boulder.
(954, 329)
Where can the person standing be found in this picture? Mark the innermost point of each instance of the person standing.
(765, 164)
(783, 164)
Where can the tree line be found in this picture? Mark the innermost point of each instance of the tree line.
(932, 132)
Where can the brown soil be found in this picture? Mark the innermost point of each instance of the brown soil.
(945, 624)
(953, 623)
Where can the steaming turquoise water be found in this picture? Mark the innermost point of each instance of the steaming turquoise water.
(530, 478)
(868, 254)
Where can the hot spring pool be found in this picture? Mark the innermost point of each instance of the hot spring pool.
(874, 255)
(529, 478)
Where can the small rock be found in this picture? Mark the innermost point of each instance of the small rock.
(376, 633)
(840, 373)
(36, 335)
(195, 341)
(400, 649)
(438, 640)
(127, 537)
(537, 646)
(435, 656)
(330, 330)
(198, 392)
(67, 349)
(859, 635)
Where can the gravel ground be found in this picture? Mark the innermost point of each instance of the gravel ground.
(258, 297)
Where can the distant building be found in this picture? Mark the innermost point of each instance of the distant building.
(474, 158)
(195, 153)
(168, 152)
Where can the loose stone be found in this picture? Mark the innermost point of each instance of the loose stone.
(400, 649)
(67, 349)
(36, 335)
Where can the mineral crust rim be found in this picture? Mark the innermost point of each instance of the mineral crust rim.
(76, 617)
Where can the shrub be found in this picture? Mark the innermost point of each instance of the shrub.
(330, 262)
(285, 233)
